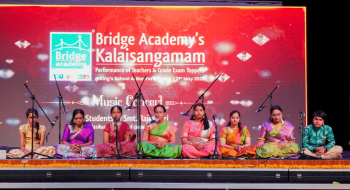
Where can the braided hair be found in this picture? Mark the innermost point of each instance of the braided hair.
(29, 111)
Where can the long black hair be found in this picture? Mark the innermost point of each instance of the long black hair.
(29, 111)
(239, 123)
(204, 119)
(75, 112)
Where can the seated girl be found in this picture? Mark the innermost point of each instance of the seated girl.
(198, 135)
(25, 134)
(158, 139)
(235, 138)
(126, 136)
(78, 137)
(276, 138)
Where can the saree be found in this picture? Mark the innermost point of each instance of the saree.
(195, 133)
(84, 135)
(163, 133)
(127, 148)
(237, 138)
(46, 150)
(273, 136)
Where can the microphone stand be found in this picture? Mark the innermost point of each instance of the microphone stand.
(268, 97)
(60, 104)
(200, 97)
(52, 125)
(32, 153)
(216, 154)
(302, 116)
(138, 96)
(118, 144)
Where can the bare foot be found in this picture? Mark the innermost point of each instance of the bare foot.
(336, 156)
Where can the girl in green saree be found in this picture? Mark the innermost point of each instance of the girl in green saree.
(158, 139)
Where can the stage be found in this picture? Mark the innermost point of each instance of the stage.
(175, 174)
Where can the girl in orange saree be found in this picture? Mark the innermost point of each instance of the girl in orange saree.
(235, 138)
(198, 135)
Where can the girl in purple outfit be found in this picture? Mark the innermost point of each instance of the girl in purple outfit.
(78, 137)
(276, 138)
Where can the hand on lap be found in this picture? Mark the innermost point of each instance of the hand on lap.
(260, 144)
(238, 148)
(282, 144)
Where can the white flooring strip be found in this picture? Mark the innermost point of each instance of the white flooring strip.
(134, 185)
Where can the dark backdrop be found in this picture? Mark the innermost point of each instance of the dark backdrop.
(328, 63)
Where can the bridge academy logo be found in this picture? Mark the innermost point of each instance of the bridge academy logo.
(70, 56)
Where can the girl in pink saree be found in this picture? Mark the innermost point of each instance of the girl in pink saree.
(198, 135)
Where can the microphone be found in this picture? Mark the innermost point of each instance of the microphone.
(184, 114)
(153, 121)
(54, 121)
(115, 121)
(302, 114)
(129, 107)
(257, 111)
(213, 116)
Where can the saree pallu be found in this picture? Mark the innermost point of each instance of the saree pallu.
(46, 150)
(195, 133)
(84, 135)
(85, 151)
(127, 148)
(271, 149)
(163, 133)
(236, 138)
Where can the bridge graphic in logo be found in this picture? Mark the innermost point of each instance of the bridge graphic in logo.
(70, 54)
(63, 45)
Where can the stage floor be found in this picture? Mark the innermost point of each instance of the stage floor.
(175, 173)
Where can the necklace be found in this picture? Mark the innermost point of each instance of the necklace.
(76, 128)
(233, 128)
(275, 126)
